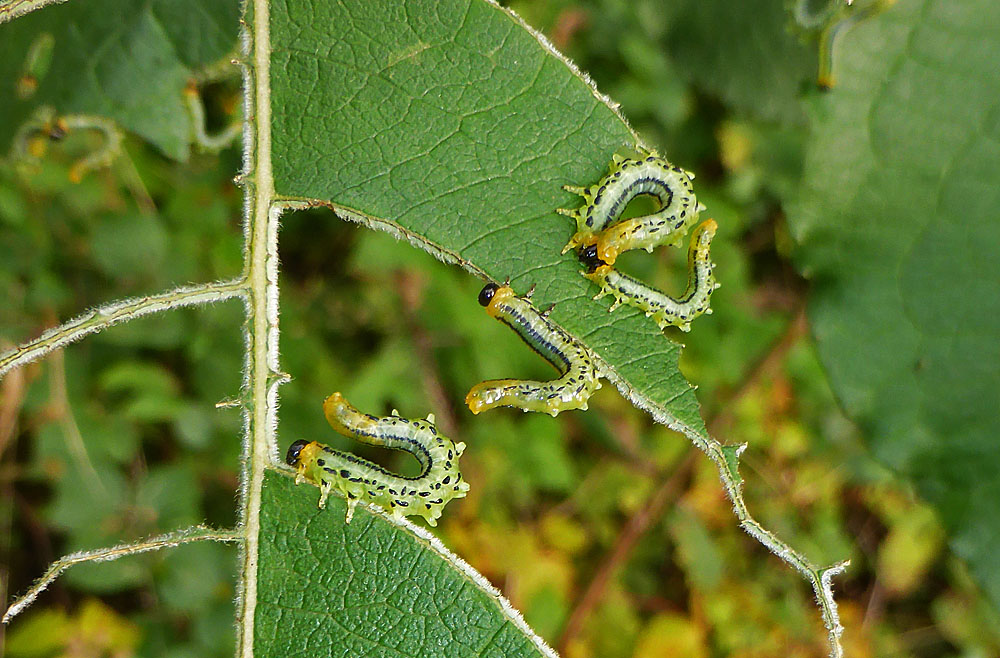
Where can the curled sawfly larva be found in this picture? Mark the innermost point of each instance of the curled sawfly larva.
(37, 63)
(832, 20)
(199, 132)
(578, 379)
(359, 479)
(664, 309)
(597, 221)
(33, 137)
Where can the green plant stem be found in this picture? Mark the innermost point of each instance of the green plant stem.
(117, 313)
(169, 540)
(262, 317)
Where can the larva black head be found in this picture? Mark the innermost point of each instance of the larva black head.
(292, 456)
(57, 131)
(486, 294)
(588, 256)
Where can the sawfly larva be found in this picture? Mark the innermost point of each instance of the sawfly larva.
(578, 374)
(359, 479)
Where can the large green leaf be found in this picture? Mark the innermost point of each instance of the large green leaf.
(126, 61)
(899, 232)
(452, 123)
(367, 588)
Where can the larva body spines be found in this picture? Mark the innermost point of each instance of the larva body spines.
(605, 202)
(578, 374)
(665, 310)
(575, 189)
(358, 479)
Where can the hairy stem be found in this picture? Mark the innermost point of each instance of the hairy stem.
(169, 540)
(726, 459)
(14, 8)
(117, 313)
(261, 370)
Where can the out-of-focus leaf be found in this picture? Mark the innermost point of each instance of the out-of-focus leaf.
(150, 390)
(672, 636)
(196, 576)
(134, 73)
(540, 452)
(168, 497)
(41, 634)
(129, 245)
(898, 231)
(699, 554)
(912, 543)
(94, 630)
(744, 53)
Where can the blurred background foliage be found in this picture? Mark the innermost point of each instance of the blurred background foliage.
(610, 533)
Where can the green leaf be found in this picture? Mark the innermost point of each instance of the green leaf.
(745, 53)
(134, 72)
(454, 126)
(732, 456)
(368, 588)
(130, 245)
(898, 231)
(449, 122)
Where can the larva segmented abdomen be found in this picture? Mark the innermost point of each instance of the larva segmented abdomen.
(579, 377)
(597, 220)
(359, 479)
(665, 310)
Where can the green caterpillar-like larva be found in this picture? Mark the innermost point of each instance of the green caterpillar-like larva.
(579, 377)
(665, 310)
(605, 201)
(359, 479)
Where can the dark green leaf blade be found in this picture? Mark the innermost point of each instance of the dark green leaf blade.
(368, 588)
(452, 122)
(899, 233)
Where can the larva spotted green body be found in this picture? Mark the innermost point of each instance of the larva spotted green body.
(597, 220)
(579, 376)
(359, 479)
(665, 310)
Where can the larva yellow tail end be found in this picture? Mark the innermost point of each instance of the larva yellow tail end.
(333, 404)
(473, 401)
(76, 173)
